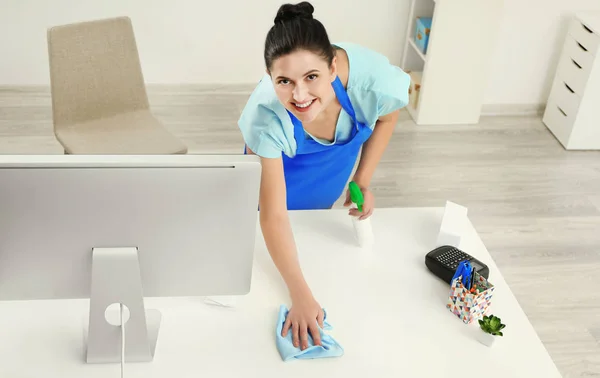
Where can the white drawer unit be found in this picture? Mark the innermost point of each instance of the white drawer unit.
(573, 109)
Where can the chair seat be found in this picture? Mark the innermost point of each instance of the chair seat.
(135, 133)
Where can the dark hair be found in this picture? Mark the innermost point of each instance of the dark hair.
(294, 29)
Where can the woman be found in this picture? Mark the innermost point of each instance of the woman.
(308, 119)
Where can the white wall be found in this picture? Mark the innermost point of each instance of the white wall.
(222, 41)
(188, 41)
(526, 54)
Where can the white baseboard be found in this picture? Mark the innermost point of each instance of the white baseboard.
(513, 109)
(242, 88)
(151, 88)
(247, 88)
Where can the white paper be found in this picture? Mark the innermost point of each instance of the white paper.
(222, 300)
(453, 222)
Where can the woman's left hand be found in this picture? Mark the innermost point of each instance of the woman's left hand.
(368, 205)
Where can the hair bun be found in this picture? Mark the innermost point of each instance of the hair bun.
(289, 12)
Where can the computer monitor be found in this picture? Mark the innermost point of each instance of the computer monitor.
(116, 229)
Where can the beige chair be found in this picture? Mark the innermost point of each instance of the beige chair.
(99, 99)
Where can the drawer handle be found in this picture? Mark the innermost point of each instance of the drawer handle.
(582, 46)
(586, 28)
(575, 63)
(569, 88)
(565, 114)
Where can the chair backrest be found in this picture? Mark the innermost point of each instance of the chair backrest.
(95, 71)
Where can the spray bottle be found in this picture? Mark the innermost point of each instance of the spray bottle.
(362, 228)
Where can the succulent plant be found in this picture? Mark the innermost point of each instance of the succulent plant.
(492, 324)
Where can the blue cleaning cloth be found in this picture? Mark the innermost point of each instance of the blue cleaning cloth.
(287, 350)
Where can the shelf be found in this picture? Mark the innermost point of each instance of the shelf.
(452, 75)
(414, 46)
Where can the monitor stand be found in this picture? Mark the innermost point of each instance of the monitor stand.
(116, 280)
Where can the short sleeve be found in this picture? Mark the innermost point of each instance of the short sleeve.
(261, 125)
(392, 91)
(376, 86)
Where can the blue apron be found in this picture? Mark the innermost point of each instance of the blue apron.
(317, 175)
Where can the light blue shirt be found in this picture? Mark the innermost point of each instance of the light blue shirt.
(375, 88)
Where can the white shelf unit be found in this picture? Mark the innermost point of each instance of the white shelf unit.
(572, 112)
(456, 66)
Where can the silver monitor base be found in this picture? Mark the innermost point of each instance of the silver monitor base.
(116, 279)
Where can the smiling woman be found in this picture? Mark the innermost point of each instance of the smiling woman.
(317, 107)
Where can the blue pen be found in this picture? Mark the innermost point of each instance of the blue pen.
(464, 270)
(467, 276)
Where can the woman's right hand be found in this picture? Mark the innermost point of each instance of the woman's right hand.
(305, 316)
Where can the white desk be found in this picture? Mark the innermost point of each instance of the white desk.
(387, 310)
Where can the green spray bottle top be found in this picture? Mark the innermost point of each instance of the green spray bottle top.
(356, 195)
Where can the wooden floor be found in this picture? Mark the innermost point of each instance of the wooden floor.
(535, 205)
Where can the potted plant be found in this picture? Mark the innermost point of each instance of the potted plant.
(491, 327)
